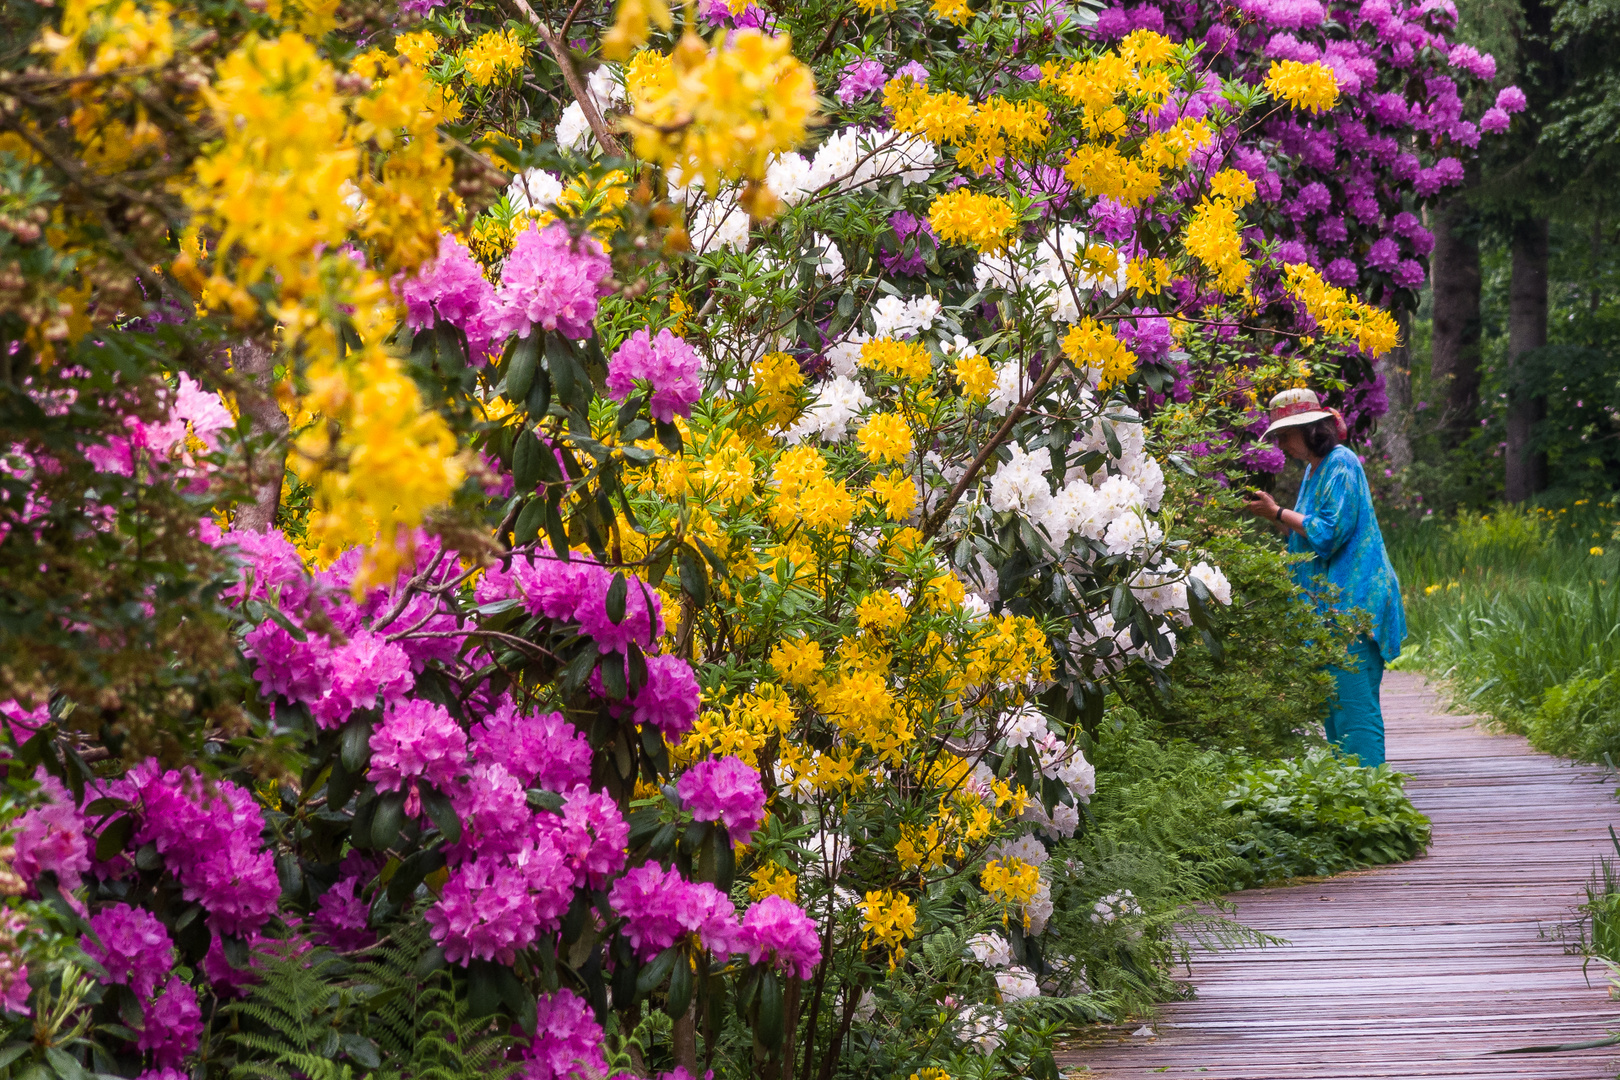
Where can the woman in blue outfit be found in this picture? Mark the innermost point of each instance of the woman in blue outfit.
(1333, 521)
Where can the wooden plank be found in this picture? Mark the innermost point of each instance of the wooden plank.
(1418, 970)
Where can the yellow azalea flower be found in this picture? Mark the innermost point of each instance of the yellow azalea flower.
(1312, 87)
(885, 438)
(773, 880)
(724, 111)
(1214, 238)
(984, 222)
(1340, 313)
(905, 359)
(418, 48)
(798, 661)
(897, 492)
(890, 921)
(493, 56)
(1091, 345)
(880, 611)
(977, 377)
(952, 11)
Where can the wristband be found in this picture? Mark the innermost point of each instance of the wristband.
(1279, 515)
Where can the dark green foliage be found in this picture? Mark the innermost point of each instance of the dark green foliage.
(1332, 816)
(1269, 687)
(317, 1015)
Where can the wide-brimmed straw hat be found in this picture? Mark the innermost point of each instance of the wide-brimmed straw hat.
(1296, 408)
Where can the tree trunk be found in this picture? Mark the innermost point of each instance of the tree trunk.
(1394, 438)
(1527, 331)
(1454, 367)
(253, 371)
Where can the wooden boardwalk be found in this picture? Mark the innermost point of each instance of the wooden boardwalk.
(1421, 969)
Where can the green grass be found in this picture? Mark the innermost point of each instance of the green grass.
(1519, 611)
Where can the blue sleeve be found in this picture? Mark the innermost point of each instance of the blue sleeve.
(1334, 515)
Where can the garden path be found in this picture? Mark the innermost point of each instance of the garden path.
(1420, 969)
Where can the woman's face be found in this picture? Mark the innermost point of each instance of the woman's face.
(1292, 443)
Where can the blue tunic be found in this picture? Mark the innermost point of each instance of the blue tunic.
(1341, 531)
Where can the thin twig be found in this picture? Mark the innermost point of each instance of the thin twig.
(576, 85)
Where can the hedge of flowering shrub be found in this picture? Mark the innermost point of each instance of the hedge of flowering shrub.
(618, 586)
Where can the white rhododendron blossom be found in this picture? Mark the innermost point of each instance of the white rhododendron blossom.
(991, 950)
(1017, 983)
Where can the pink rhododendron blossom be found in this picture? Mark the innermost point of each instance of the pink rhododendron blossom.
(567, 1041)
(491, 907)
(50, 837)
(417, 740)
(132, 946)
(1510, 99)
(172, 1026)
(553, 281)
(540, 750)
(727, 791)
(660, 907)
(669, 700)
(452, 288)
(341, 916)
(14, 987)
(211, 840)
(494, 812)
(363, 669)
(778, 930)
(1495, 120)
(591, 834)
(860, 79)
(669, 364)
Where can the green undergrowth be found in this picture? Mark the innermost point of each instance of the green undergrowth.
(1518, 612)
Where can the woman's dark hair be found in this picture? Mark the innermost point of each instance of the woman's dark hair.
(1320, 436)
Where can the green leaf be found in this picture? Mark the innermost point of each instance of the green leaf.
(653, 975)
(115, 838)
(527, 529)
(617, 591)
(768, 1021)
(388, 820)
(680, 988)
(526, 455)
(612, 671)
(356, 746)
(525, 362)
(443, 813)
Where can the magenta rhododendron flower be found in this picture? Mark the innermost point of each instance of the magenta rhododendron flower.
(494, 812)
(132, 946)
(669, 364)
(727, 791)
(860, 78)
(50, 837)
(341, 916)
(778, 930)
(660, 907)
(567, 1040)
(454, 289)
(669, 700)
(591, 834)
(417, 740)
(491, 907)
(172, 1025)
(540, 750)
(553, 281)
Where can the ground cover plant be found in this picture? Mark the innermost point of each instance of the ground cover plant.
(542, 544)
(1517, 609)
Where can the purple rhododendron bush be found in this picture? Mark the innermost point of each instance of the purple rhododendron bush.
(597, 542)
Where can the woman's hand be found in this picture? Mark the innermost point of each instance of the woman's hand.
(1262, 505)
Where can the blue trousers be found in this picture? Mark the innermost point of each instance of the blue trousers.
(1355, 723)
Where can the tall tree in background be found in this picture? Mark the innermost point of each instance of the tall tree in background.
(1455, 356)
